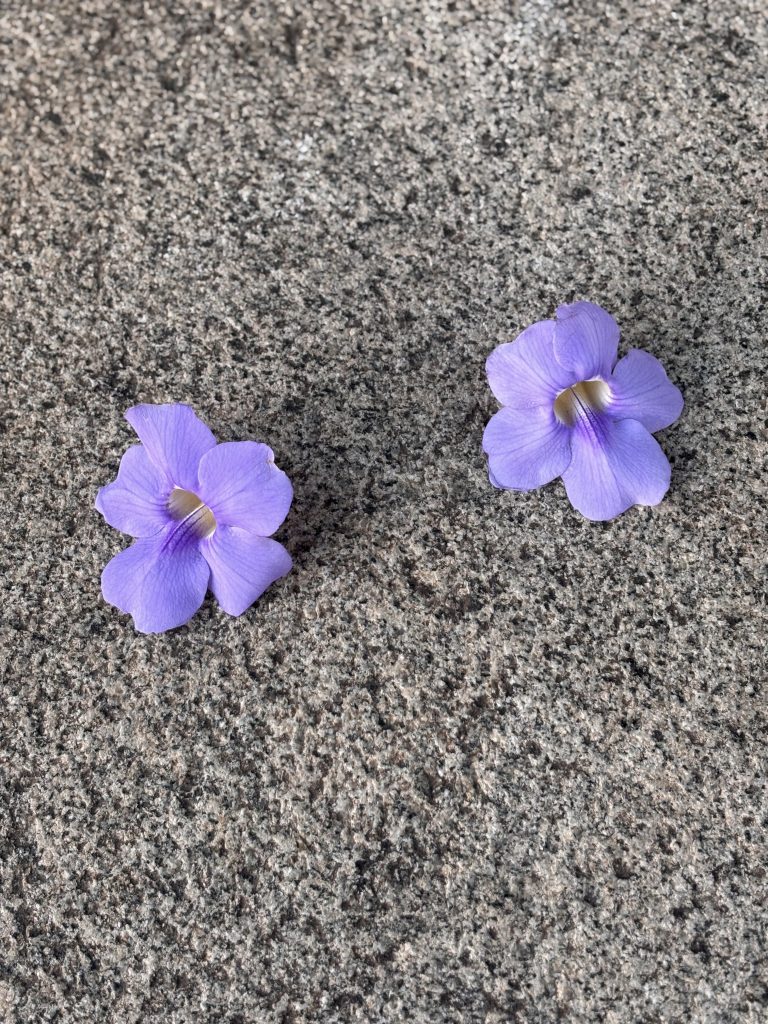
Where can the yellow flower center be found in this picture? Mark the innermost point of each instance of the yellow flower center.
(186, 507)
(580, 399)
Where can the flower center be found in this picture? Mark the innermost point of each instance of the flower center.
(581, 399)
(186, 507)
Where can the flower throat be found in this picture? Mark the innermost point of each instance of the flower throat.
(186, 507)
(580, 399)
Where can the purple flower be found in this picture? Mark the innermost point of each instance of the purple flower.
(571, 410)
(202, 514)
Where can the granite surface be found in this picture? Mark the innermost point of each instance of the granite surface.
(476, 759)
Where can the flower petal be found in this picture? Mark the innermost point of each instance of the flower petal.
(614, 464)
(586, 340)
(526, 448)
(242, 486)
(524, 373)
(175, 440)
(242, 566)
(641, 390)
(159, 580)
(136, 501)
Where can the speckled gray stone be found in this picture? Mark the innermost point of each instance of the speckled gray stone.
(476, 759)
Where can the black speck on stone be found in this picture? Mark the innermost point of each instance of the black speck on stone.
(700, 947)
(622, 870)
(91, 177)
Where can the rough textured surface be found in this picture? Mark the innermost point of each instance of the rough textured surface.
(476, 759)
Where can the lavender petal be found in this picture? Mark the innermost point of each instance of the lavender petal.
(242, 566)
(641, 391)
(175, 440)
(586, 340)
(526, 448)
(243, 487)
(614, 464)
(524, 373)
(159, 582)
(135, 502)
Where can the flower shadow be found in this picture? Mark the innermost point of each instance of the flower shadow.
(334, 457)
